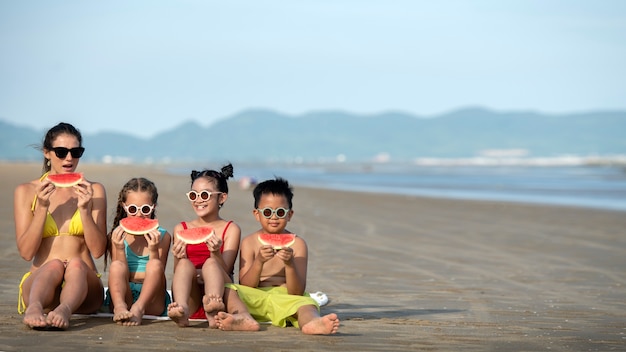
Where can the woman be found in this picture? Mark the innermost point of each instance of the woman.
(60, 230)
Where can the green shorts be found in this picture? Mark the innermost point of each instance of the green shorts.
(272, 303)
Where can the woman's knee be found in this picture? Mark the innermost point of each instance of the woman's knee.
(54, 269)
(55, 265)
(76, 264)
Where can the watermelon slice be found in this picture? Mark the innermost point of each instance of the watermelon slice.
(277, 241)
(135, 225)
(66, 180)
(195, 235)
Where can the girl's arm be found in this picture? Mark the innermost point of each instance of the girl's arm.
(92, 206)
(231, 249)
(164, 248)
(178, 248)
(29, 224)
(117, 245)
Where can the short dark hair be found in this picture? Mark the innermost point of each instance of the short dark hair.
(278, 186)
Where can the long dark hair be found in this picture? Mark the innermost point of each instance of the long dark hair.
(137, 184)
(52, 134)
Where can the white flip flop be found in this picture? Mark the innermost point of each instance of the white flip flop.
(320, 297)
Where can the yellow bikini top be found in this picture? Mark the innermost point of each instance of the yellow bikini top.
(50, 228)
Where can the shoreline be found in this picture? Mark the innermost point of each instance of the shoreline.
(402, 272)
(521, 198)
(509, 193)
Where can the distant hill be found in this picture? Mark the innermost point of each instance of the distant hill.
(264, 135)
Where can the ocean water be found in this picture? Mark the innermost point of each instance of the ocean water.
(583, 186)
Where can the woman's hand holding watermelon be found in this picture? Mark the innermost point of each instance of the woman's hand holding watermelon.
(85, 193)
(44, 190)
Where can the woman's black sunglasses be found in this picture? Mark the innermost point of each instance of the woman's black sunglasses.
(61, 152)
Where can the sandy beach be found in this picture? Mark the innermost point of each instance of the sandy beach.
(402, 273)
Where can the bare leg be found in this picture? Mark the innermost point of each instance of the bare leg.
(119, 291)
(73, 294)
(238, 318)
(312, 324)
(182, 286)
(213, 290)
(152, 296)
(40, 290)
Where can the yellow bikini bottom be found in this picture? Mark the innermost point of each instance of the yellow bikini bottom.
(21, 306)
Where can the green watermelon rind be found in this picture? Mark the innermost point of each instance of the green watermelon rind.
(195, 235)
(61, 180)
(277, 241)
(131, 225)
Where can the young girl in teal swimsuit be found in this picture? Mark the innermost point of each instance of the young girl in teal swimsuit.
(60, 230)
(137, 274)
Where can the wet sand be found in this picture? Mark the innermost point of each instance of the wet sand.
(403, 274)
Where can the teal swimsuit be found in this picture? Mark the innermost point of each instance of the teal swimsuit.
(137, 263)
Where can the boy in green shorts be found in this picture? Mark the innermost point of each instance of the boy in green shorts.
(272, 282)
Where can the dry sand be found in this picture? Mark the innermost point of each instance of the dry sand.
(403, 274)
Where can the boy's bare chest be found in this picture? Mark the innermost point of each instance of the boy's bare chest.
(273, 267)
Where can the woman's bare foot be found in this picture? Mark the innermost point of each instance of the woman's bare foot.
(328, 324)
(212, 305)
(34, 317)
(236, 322)
(179, 314)
(60, 317)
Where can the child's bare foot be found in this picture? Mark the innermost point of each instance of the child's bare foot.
(121, 315)
(236, 322)
(60, 317)
(34, 317)
(328, 324)
(136, 314)
(179, 314)
(212, 305)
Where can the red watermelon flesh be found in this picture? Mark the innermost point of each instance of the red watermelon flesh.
(195, 235)
(276, 240)
(66, 180)
(135, 225)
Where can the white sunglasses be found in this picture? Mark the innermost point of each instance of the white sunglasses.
(269, 212)
(204, 195)
(132, 209)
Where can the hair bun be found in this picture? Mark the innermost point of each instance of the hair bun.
(227, 171)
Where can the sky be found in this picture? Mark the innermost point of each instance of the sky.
(142, 67)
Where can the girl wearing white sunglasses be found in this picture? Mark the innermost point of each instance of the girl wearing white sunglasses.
(201, 270)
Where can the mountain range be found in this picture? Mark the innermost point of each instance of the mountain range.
(265, 135)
